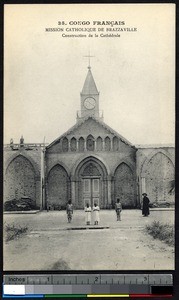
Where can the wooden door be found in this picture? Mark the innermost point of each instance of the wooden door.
(95, 191)
(87, 191)
(91, 191)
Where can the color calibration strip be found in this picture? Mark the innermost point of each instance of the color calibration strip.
(89, 296)
(21, 291)
(85, 289)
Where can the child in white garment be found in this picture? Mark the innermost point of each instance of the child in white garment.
(88, 214)
(96, 214)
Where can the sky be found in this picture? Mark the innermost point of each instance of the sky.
(44, 72)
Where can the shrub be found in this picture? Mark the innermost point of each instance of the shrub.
(163, 232)
(23, 204)
(12, 231)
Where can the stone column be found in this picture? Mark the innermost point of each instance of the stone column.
(73, 192)
(103, 144)
(112, 190)
(111, 144)
(69, 149)
(109, 190)
(38, 191)
(77, 145)
(85, 145)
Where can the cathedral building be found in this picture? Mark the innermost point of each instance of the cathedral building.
(90, 163)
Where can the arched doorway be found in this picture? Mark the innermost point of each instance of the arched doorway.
(57, 187)
(91, 183)
(124, 185)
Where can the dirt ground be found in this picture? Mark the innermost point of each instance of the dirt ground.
(125, 245)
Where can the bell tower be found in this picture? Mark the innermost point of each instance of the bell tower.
(89, 99)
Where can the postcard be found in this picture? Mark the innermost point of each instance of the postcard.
(89, 127)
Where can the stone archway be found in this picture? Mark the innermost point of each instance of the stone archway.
(20, 179)
(158, 173)
(125, 185)
(91, 183)
(58, 191)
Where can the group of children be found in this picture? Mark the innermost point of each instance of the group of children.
(95, 210)
(88, 211)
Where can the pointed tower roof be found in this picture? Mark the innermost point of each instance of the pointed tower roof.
(89, 86)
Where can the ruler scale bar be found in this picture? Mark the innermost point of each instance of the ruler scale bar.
(152, 279)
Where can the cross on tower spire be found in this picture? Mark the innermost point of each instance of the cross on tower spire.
(89, 56)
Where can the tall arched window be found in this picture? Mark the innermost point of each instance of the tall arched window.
(81, 144)
(65, 145)
(73, 144)
(99, 144)
(107, 143)
(90, 143)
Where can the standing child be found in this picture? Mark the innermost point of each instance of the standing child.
(88, 214)
(96, 214)
(69, 210)
(118, 209)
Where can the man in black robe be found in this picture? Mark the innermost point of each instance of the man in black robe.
(145, 206)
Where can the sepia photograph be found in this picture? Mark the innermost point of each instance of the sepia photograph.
(89, 137)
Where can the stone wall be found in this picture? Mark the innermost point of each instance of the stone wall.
(128, 173)
(23, 173)
(155, 172)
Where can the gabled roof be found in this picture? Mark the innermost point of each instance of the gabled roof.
(89, 86)
(97, 121)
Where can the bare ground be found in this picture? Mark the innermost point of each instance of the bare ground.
(125, 245)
